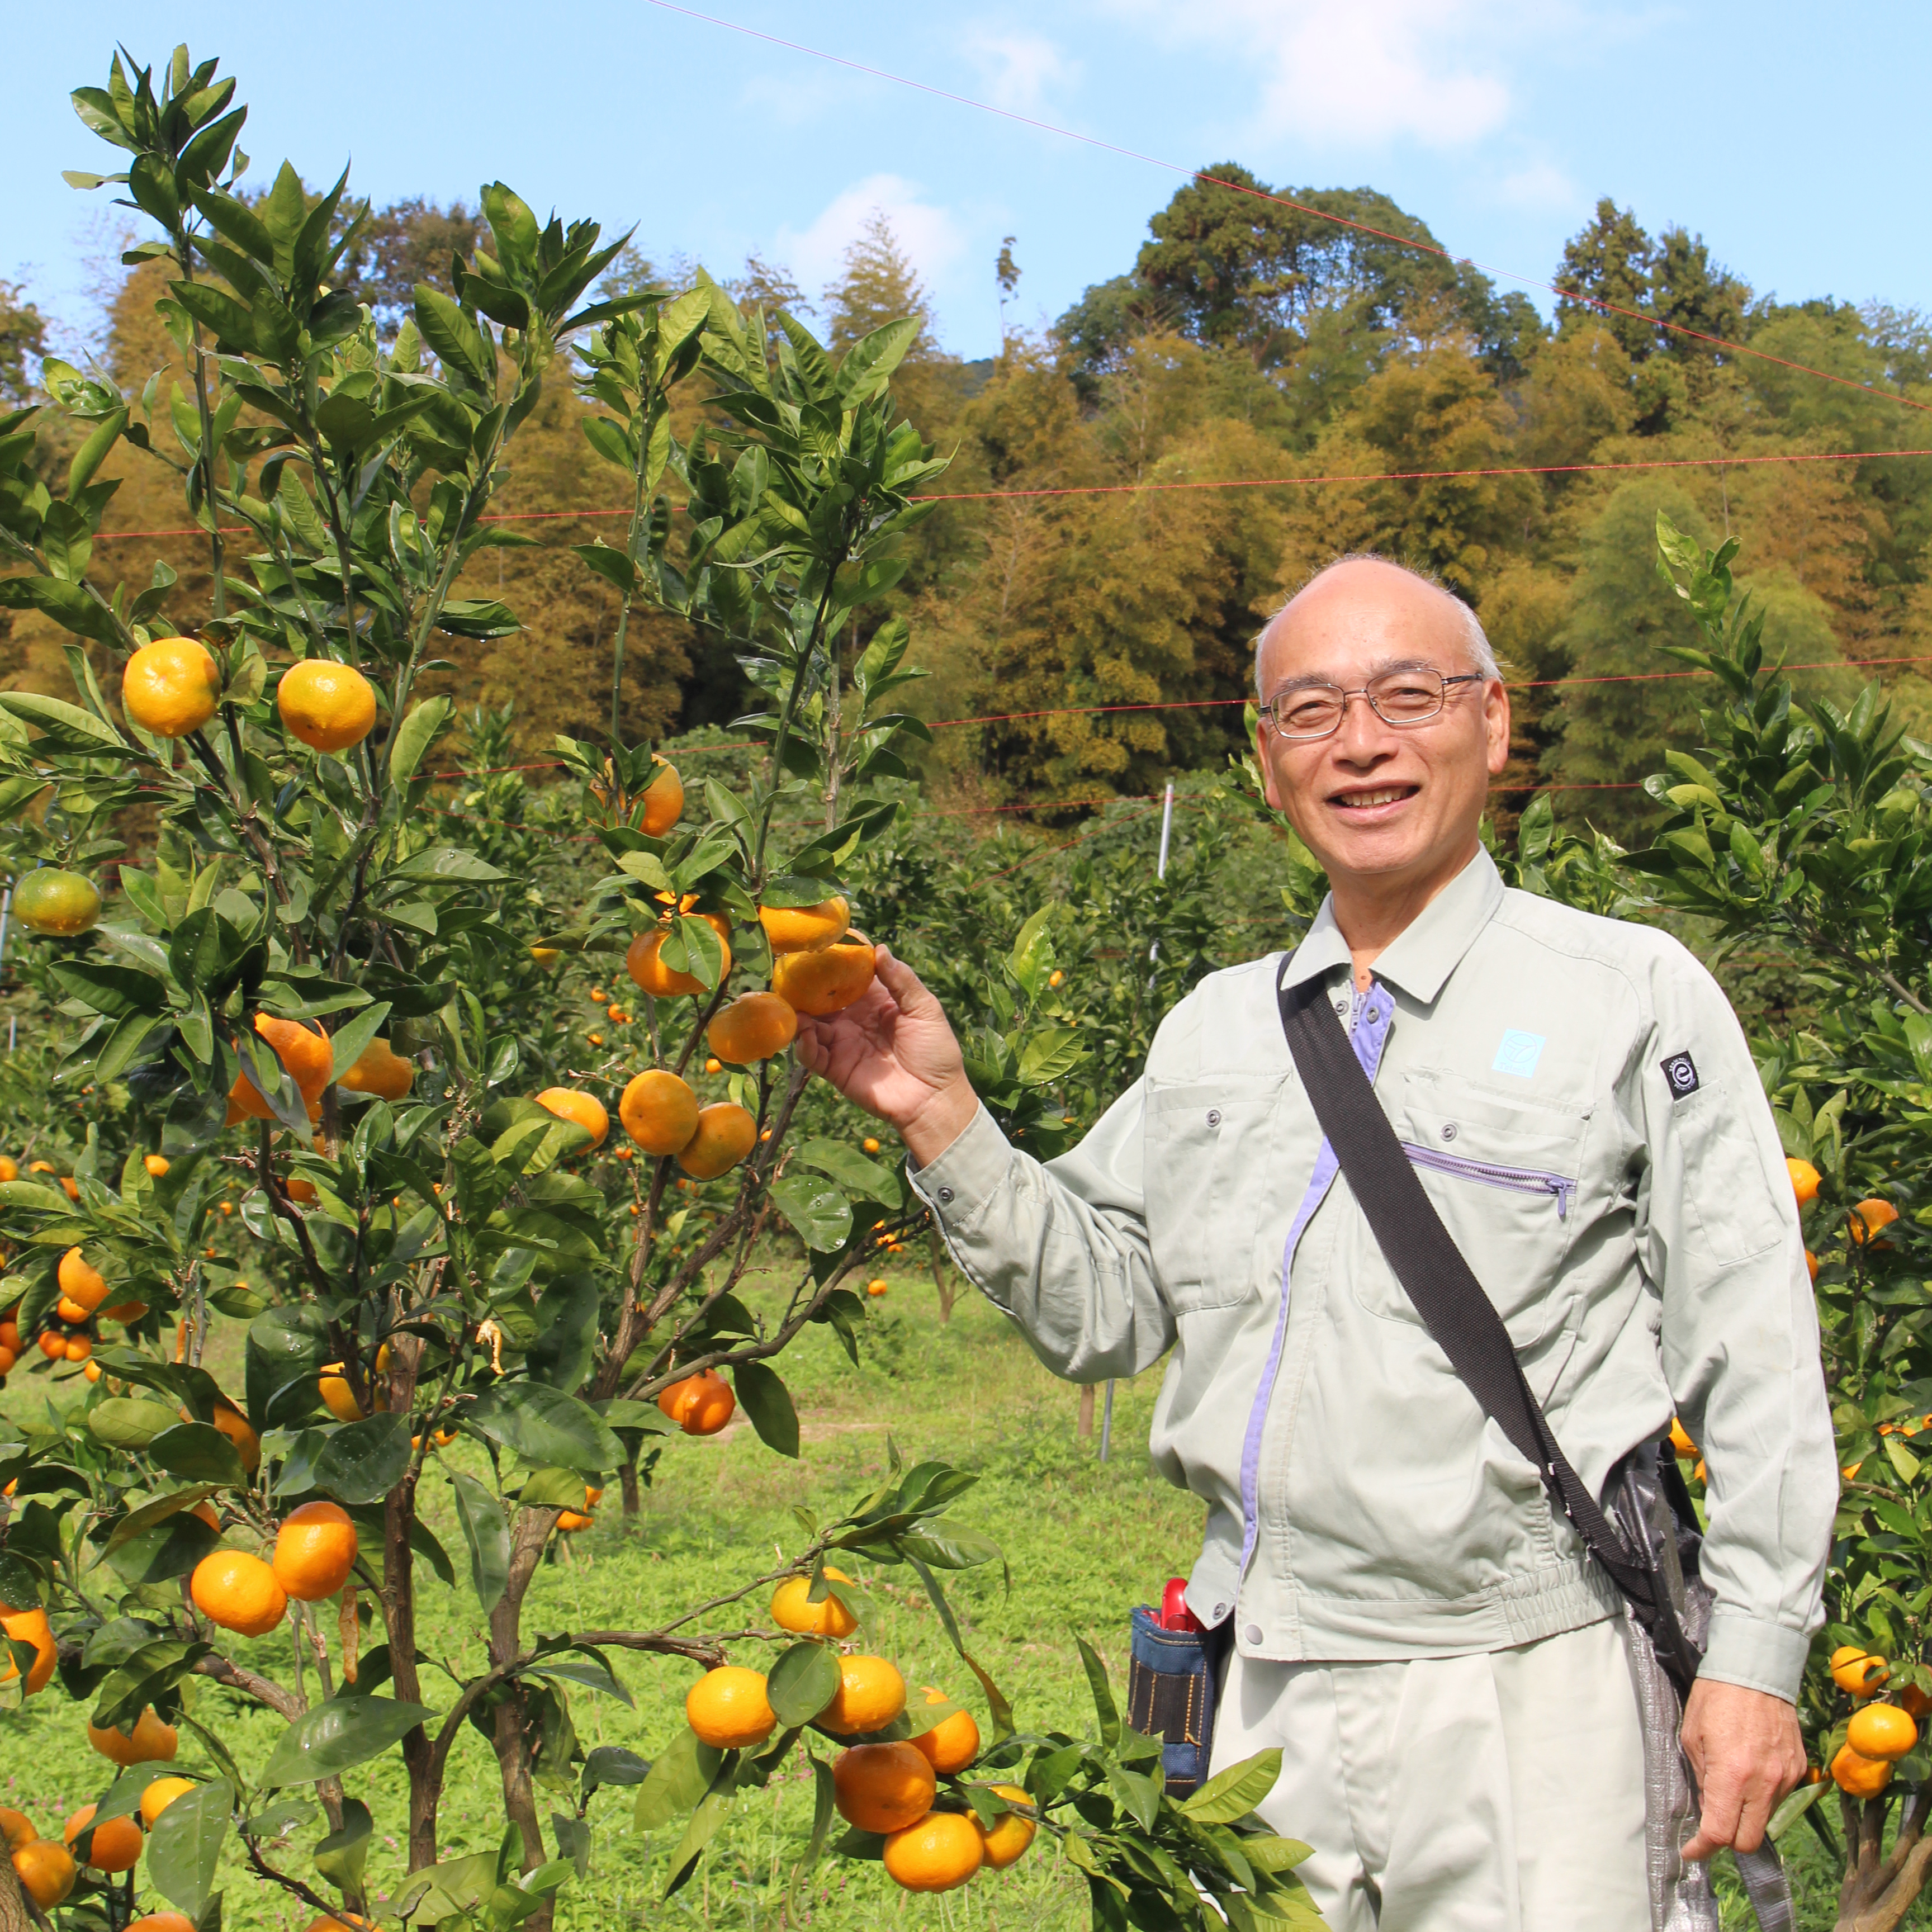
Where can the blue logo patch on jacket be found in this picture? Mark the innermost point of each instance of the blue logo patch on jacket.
(1518, 1054)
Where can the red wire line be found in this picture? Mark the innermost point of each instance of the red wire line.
(1200, 704)
(1534, 684)
(1415, 475)
(1285, 201)
(1230, 483)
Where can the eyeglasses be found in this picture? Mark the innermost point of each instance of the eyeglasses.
(1399, 697)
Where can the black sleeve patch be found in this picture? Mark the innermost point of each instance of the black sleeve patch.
(1680, 1071)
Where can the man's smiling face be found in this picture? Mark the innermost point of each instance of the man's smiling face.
(1391, 807)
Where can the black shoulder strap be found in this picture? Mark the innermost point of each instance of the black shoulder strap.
(1452, 1302)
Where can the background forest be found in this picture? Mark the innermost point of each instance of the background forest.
(1248, 340)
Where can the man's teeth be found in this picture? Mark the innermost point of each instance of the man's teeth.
(1368, 798)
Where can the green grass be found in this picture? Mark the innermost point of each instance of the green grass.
(1084, 1541)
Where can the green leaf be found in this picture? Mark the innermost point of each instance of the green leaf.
(786, 889)
(441, 863)
(362, 1462)
(445, 1890)
(479, 617)
(414, 736)
(767, 1402)
(647, 867)
(614, 566)
(713, 1809)
(824, 1796)
(454, 339)
(612, 1764)
(821, 1216)
(1795, 1805)
(677, 1781)
(115, 991)
(353, 1036)
(198, 1452)
(487, 1535)
(867, 366)
(552, 1489)
(184, 1847)
(346, 1730)
(1050, 1054)
(148, 1673)
(136, 1521)
(703, 951)
(607, 438)
(543, 1424)
(1105, 1708)
(170, 1549)
(340, 1857)
(123, 1797)
(67, 727)
(129, 1422)
(803, 1681)
(1229, 1797)
(852, 1170)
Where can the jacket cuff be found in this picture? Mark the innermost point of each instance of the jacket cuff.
(1759, 1656)
(958, 1183)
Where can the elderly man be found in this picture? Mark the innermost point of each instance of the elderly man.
(1437, 1656)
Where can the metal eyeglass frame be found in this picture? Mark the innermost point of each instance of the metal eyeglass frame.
(1268, 711)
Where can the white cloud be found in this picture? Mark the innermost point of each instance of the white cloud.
(1338, 74)
(803, 96)
(930, 235)
(1019, 68)
(1540, 185)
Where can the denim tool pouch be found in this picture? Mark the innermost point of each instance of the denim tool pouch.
(1173, 1680)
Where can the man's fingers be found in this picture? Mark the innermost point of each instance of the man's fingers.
(813, 1050)
(1751, 1823)
(1733, 1815)
(907, 988)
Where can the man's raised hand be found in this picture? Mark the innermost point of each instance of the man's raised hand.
(893, 1052)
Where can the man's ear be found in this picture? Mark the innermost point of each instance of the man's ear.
(1496, 725)
(1270, 789)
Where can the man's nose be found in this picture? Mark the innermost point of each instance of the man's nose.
(1362, 733)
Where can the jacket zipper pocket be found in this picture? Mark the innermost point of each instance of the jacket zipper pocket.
(1518, 1179)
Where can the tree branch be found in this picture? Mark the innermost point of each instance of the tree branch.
(250, 1683)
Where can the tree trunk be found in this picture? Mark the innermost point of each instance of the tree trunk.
(1877, 1893)
(1086, 1410)
(398, 1601)
(628, 1476)
(528, 1535)
(399, 1619)
(15, 1914)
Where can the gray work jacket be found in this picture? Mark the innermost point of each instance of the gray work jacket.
(1579, 1100)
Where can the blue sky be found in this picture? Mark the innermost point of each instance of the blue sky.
(1788, 135)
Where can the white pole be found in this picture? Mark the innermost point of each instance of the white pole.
(1160, 864)
(1153, 953)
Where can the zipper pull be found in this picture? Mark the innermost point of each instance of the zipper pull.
(1562, 1189)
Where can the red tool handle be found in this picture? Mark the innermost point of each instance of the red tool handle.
(1175, 1614)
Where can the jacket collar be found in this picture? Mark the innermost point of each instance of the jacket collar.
(1426, 951)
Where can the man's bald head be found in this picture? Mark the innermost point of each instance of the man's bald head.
(1383, 591)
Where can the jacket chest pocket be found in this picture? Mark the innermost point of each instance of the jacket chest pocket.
(1504, 1179)
(1212, 1160)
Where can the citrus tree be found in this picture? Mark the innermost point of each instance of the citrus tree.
(304, 985)
(1805, 832)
